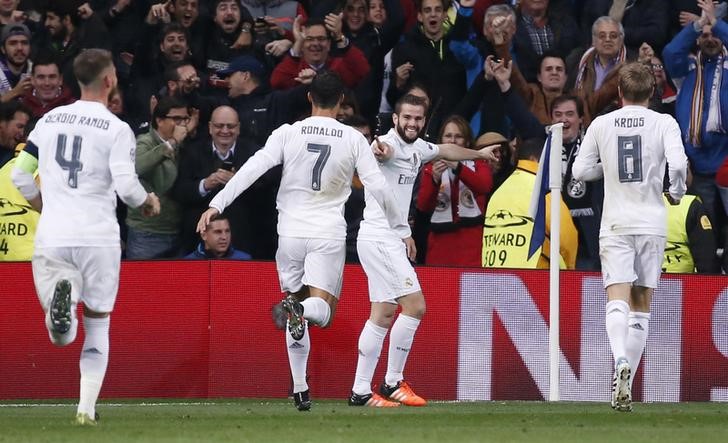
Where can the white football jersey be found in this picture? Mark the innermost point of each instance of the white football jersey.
(400, 171)
(633, 144)
(84, 153)
(319, 156)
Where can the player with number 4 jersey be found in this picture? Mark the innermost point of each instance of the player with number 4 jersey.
(84, 156)
(319, 156)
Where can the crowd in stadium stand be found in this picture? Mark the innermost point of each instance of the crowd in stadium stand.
(203, 83)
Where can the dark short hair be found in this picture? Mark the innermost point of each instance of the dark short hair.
(176, 28)
(326, 89)
(171, 72)
(445, 5)
(164, 106)
(530, 147)
(550, 54)
(45, 59)
(356, 121)
(63, 8)
(409, 99)
(9, 109)
(90, 63)
(568, 98)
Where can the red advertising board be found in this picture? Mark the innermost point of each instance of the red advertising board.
(200, 329)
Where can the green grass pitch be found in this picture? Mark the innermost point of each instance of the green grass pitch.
(335, 421)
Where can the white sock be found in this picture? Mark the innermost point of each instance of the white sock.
(70, 335)
(94, 359)
(316, 310)
(298, 358)
(370, 347)
(639, 325)
(400, 342)
(617, 326)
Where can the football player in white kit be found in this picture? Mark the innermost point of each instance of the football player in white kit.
(319, 157)
(629, 147)
(85, 157)
(392, 279)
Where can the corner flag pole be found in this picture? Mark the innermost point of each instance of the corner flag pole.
(555, 254)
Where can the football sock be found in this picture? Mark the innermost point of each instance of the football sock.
(616, 323)
(370, 347)
(400, 342)
(94, 359)
(639, 324)
(316, 310)
(298, 358)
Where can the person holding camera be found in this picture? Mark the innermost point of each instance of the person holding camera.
(206, 166)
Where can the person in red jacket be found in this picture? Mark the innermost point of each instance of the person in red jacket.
(48, 91)
(320, 44)
(455, 193)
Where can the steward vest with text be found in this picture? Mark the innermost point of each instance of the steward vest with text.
(18, 220)
(677, 256)
(507, 227)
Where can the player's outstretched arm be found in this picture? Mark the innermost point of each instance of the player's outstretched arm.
(451, 151)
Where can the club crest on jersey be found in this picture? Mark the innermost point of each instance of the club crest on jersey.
(576, 188)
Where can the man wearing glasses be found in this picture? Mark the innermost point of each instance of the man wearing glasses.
(320, 44)
(206, 166)
(157, 160)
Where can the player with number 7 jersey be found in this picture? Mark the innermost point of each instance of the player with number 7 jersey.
(319, 156)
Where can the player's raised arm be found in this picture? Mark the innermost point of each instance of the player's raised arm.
(22, 176)
(267, 157)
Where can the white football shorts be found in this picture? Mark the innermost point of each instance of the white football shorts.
(635, 259)
(389, 272)
(313, 262)
(92, 271)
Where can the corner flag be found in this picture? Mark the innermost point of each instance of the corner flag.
(537, 209)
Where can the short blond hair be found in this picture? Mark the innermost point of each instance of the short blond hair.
(636, 81)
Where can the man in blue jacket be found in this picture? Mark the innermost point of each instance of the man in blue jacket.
(215, 242)
(702, 102)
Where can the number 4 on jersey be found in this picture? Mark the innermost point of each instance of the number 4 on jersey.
(74, 164)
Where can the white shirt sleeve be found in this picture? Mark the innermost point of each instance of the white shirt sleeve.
(267, 157)
(373, 179)
(677, 161)
(123, 172)
(586, 165)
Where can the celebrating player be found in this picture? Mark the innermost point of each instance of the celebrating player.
(319, 156)
(392, 279)
(629, 147)
(83, 153)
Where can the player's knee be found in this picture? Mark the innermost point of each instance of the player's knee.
(414, 306)
(417, 311)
